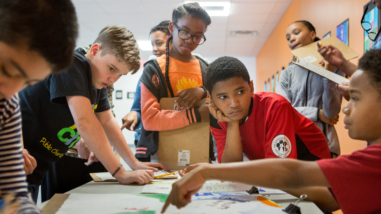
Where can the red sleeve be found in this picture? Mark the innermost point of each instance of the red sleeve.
(220, 137)
(355, 180)
(155, 119)
(280, 131)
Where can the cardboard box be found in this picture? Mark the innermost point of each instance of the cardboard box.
(190, 142)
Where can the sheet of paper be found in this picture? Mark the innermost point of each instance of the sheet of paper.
(152, 203)
(162, 172)
(268, 191)
(320, 71)
(105, 176)
(209, 186)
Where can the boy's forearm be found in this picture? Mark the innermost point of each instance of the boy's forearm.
(117, 139)
(271, 173)
(233, 147)
(91, 131)
(348, 68)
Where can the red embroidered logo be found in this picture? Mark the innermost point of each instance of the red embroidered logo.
(155, 81)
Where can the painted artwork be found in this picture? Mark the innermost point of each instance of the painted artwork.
(372, 18)
(272, 84)
(268, 86)
(342, 32)
(276, 79)
(265, 87)
(327, 35)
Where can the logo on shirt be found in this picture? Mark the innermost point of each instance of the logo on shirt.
(281, 146)
(155, 81)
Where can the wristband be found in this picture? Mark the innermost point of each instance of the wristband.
(205, 92)
(117, 170)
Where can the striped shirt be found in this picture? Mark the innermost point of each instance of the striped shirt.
(12, 174)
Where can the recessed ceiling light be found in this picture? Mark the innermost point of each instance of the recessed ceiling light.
(215, 8)
(145, 45)
(243, 33)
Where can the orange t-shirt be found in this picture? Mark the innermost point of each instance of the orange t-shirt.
(182, 75)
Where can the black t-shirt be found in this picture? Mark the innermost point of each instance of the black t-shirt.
(47, 124)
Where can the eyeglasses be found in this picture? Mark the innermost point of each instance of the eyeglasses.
(367, 26)
(199, 40)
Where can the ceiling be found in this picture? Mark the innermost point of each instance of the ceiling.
(139, 16)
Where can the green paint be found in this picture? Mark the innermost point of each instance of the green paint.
(161, 197)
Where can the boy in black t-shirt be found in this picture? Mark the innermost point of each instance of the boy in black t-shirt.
(60, 110)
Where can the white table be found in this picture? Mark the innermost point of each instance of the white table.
(114, 187)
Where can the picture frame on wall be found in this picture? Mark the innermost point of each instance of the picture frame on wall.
(327, 35)
(272, 84)
(118, 94)
(268, 85)
(276, 79)
(342, 32)
(265, 87)
(372, 17)
(130, 95)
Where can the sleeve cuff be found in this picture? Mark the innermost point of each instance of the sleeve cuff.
(193, 115)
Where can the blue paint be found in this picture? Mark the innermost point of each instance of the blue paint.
(2, 204)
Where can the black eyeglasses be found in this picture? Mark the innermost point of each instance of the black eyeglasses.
(199, 40)
(368, 27)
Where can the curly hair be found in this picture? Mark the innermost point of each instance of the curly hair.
(47, 27)
(224, 68)
(370, 63)
(120, 42)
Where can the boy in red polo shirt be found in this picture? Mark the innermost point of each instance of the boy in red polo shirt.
(260, 125)
(350, 182)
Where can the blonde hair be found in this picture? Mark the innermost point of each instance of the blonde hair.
(120, 42)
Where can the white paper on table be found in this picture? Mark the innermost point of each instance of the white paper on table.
(105, 176)
(268, 191)
(165, 187)
(123, 203)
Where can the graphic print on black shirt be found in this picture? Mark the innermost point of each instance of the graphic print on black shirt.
(47, 123)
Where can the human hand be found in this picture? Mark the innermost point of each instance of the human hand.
(191, 167)
(327, 66)
(92, 159)
(29, 162)
(344, 90)
(183, 189)
(204, 112)
(188, 98)
(217, 113)
(332, 55)
(137, 176)
(148, 166)
(83, 150)
(130, 120)
(324, 119)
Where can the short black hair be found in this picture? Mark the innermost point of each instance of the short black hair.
(162, 26)
(193, 9)
(370, 63)
(224, 68)
(310, 27)
(48, 27)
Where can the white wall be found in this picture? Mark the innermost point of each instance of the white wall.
(128, 84)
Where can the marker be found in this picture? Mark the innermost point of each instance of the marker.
(159, 176)
(320, 44)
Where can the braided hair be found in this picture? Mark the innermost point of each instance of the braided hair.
(192, 9)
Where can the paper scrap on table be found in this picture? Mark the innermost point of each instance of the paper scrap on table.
(319, 71)
(105, 176)
(209, 186)
(153, 203)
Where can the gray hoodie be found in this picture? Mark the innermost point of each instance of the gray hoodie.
(308, 93)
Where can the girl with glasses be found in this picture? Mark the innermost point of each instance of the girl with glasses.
(178, 73)
(310, 94)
